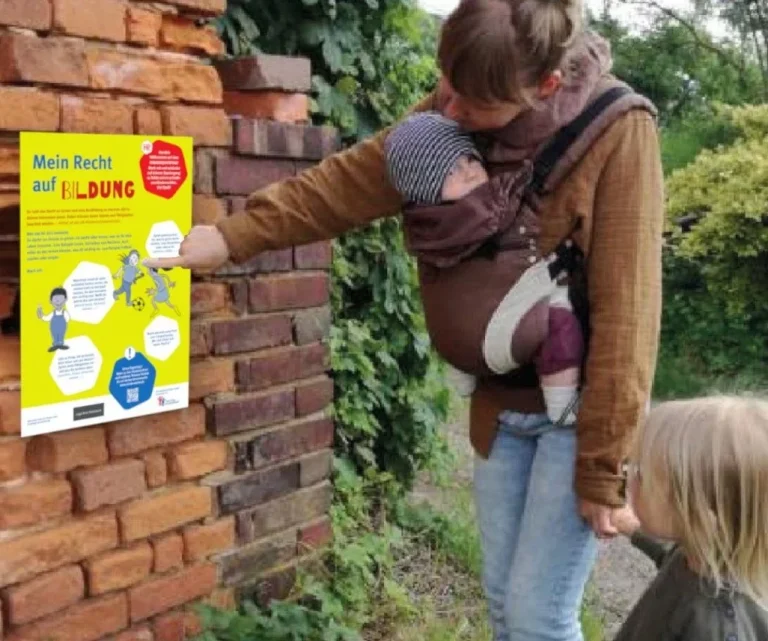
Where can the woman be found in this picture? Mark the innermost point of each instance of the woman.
(543, 493)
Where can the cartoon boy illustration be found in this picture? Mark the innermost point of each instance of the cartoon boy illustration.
(58, 318)
(160, 293)
(130, 273)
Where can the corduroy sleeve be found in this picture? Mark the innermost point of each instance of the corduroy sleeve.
(624, 273)
(347, 190)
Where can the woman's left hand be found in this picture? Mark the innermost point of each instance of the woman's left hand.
(599, 518)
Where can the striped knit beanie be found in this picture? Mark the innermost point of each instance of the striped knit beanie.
(421, 152)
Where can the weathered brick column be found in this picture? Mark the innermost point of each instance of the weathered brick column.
(111, 531)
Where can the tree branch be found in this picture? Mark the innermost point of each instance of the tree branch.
(692, 29)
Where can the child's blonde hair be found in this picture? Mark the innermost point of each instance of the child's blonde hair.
(708, 458)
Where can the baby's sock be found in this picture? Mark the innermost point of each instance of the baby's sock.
(562, 403)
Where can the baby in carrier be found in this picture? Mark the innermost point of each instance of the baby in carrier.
(435, 166)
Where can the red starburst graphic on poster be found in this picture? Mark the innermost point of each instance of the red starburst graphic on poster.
(163, 168)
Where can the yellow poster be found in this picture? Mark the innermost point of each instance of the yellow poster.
(103, 336)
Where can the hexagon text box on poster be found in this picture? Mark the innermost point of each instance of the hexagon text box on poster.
(90, 288)
(77, 369)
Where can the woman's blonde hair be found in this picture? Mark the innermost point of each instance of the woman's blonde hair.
(498, 50)
(708, 460)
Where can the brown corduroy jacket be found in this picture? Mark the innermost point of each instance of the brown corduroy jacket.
(616, 191)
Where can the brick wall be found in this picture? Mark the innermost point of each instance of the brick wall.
(112, 531)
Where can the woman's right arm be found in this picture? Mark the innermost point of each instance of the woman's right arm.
(345, 191)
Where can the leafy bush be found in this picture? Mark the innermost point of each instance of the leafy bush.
(716, 274)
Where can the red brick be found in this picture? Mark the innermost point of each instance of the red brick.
(147, 121)
(109, 484)
(64, 451)
(201, 541)
(288, 442)
(177, 626)
(168, 552)
(259, 72)
(130, 437)
(274, 105)
(25, 557)
(34, 502)
(200, 340)
(9, 166)
(96, 116)
(29, 14)
(88, 621)
(315, 468)
(314, 397)
(156, 468)
(120, 569)
(208, 126)
(313, 256)
(44, 595)
(51, 60)
(315, 535)
(284, 513)
(283, 365)
(250, 334)
(141, 633)
(264, 262)
(12, 454)
(208, 7)
(242, 565)
(162, 594)
(208, 298)
(192, 83)
(251, 412)
(197, 459)
(143, 27)
(312, 325)
(164, 512)
(284, 140)
(183, 34)
(101, 19)
(27, 109)
(204, 179)
(207, 210)
(10, 413)
(10, 358)
(113, 70)
(210, 377)
(238, 175)
(289, 291)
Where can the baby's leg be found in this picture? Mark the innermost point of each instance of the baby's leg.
(518, 326)
(560, 359)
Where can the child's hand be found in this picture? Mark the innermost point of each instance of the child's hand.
(40, 312)
(625, 521)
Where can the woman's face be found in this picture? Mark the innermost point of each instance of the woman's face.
(474, 115)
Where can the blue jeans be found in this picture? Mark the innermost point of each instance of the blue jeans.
(538, 551)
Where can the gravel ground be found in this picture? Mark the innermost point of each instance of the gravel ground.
(621, 573)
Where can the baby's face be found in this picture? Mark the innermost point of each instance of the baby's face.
(467, 174)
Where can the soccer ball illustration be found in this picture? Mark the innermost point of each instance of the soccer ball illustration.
(138, 304)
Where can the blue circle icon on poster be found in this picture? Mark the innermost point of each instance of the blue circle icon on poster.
(133, 380)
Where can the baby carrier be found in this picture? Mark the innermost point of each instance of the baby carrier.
(470, 253)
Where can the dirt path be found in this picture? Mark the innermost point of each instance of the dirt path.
(621, 573)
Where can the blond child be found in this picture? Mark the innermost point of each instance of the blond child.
(699, 494)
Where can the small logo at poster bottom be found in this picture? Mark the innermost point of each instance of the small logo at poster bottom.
(88, 411)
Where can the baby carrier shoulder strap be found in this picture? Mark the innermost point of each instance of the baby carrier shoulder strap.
(612, 100)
